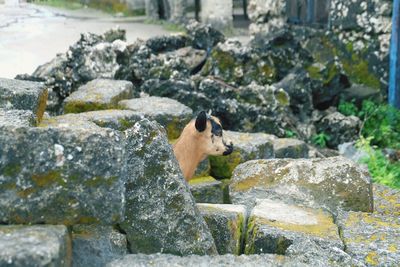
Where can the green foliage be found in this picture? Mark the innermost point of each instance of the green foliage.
(290, 134)
(348, 108)
(382, 170)
(320, 139)
(71, 4)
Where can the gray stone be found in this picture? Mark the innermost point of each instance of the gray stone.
(247, 146)
(97, 95)
(290, 148)
(114, 118)
(15, 94)
(203, 36)
(227, 224)
(203, 169)
(331, 183)
(350, 151)
(61, 175)
(95, 245)
(371, 238)
(168, 112)
(386, 200)
(15, 117)
(160, 212)
(266, 15)
(193, 58)
(274, 226)
(38, 245)
(207, 190)
(219, 14)
(339, 128)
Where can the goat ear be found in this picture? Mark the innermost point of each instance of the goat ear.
(201, 121)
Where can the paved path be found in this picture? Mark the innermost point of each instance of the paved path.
(31, 35)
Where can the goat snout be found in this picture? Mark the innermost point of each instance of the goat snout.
(228, 149)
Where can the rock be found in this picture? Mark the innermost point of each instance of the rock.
(166, 43)
(203, 169)
(161, 260)
(114, 118)
(350, 151)
(386, 200)
(193, 58)
(24, 95)
(218, 14)
(371, 238)
(207, 190)
(38, 245)
(203, 36)
(160, 213)
(274, 226)
(266, 16)
(61, 175)
(290, 148)
(331, 183)
(359, 92)
(168, 112)
(95, 245)
(98, 94)
(339, 128)
(227, 224)
(15, 117)
(247, 146)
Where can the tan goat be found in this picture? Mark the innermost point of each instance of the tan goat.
(200, 137)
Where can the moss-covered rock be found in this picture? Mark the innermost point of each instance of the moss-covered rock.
(23, 95)
(207, 190)
(371, 238)
(95, 245)
(227, 224)
(274, 226)
(38, 245)
(168, 112)
(332, 183)
(247, 146)
(290, 148)
(386, 200)
(98, 94)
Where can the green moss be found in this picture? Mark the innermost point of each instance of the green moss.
(372, 258)
(202, 180)
(223, 166)
(47, 179)
(12, 170)
(125, 124)
(282, 97)
(26, 192)
(314, 73)
(173, 128)
(41, 106)
(98, 180)
(81, 106)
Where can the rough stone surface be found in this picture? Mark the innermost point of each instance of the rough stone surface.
(386, 200)
(38, 245)
(207, 190)
(331, 183)
(193, 58)
(24, 95)
(94, 245)
(15, 117)
(160, 212)
(227, 224)
(61, 175)
(203, 169)
(97, 95)
(290, 148)
(203, 36)
(168, 112)
(219, 14)
(247, 146)
(115, 119)
(274, 226)
(371, 238)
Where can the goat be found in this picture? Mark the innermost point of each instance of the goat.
(201, 137)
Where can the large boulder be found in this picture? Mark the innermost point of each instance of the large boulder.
(372, 239)
(274, 226)
(160, 212)
(227, 224)
(332, 183)
(168, 112)
(37, 245)
(16, 117)
(24, 95)
(96, 245)
(290, 148)
(247, 146)
(207, 190)
(97, 95)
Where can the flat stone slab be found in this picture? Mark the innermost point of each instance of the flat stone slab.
(98, 94)
(331, 183)
(113, 118)
(372, 239)
(25, 95)
(227, 225)
(16, 117)
(207, 190)
(386, 200)
(38, 245)
(61, 175)
(96, 245)
(290, 148)
(247, 146)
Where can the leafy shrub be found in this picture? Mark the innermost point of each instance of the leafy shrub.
(320, 139)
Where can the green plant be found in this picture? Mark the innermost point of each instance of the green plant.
(381, 169)
(290, 134)
(320, 139)
(348, 108)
